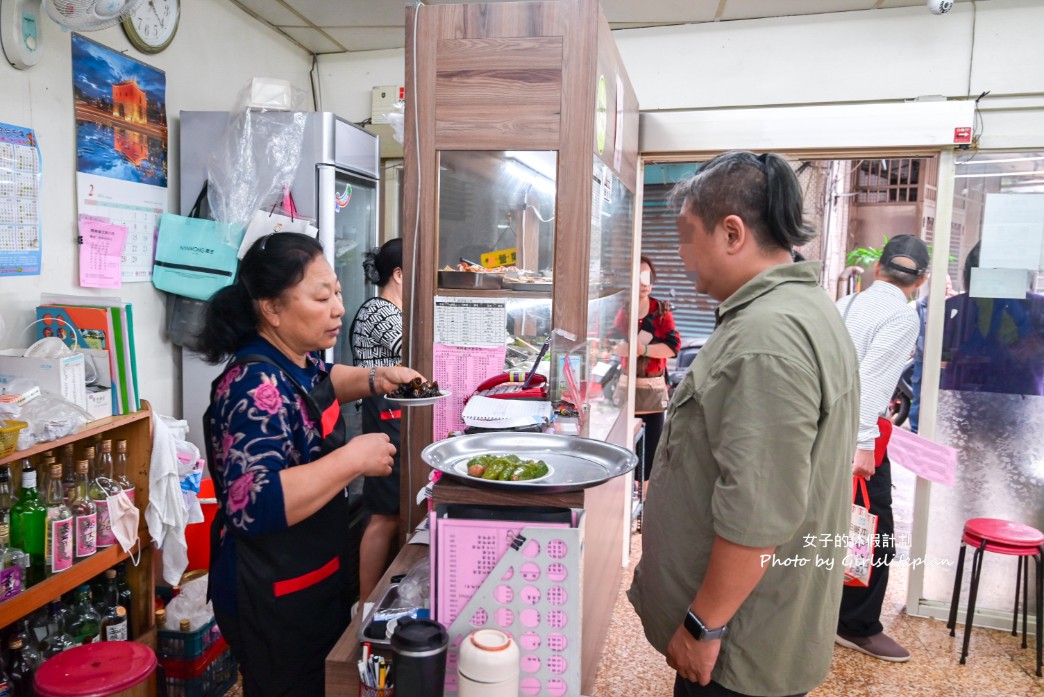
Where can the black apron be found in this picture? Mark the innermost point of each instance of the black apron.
(292, 584)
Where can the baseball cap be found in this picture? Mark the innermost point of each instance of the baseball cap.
(905, 253)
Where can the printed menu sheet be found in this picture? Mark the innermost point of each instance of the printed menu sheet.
(20, 178)
(464, 321)
(460, 369)
(928, 459)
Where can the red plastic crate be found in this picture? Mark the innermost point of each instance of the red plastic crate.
(188, 669)
(215, 680)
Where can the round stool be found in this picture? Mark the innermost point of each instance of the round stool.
(101, 669)
(1001, 537)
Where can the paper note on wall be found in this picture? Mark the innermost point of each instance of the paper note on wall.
(460, 369)
(101, 250)
(927, 459)
(1013, 232)
(999, 283)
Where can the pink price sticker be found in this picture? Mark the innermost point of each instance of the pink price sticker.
(86, 535)
(105, 536)
(61, 544)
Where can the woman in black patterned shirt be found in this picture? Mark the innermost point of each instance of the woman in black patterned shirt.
(376, 336)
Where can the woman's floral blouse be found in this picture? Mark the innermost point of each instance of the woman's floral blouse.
(259, 427)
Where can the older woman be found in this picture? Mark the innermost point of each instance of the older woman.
(280, 567)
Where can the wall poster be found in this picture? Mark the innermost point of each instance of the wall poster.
(121, 148)
(20, 227)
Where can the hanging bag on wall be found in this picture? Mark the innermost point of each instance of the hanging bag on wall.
(861, 533)
(269, 222)
(195, 257)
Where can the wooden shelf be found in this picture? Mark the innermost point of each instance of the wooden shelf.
(50, 588)
(96, 426)
(501, 293)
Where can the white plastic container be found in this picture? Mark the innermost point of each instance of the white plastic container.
(487, 665)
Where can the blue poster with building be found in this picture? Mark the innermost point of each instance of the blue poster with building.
(20, 177)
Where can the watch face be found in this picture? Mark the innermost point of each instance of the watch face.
(151, 27)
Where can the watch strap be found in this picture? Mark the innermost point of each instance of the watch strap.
(699, 631)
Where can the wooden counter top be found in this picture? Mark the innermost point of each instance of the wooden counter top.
(342, 673)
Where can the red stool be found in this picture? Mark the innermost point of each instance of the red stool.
(1001, 537)
(101, 669)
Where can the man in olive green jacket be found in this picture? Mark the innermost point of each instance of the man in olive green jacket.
(743, 534)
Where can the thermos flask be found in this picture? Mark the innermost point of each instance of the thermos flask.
(488, 665)
(419, 667)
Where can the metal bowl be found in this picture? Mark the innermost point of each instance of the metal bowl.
(576, 463)
(471, 280)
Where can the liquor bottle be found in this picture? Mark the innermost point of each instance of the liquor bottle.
(13, 566)
(91, 456)
(85, 514)
(27, 524)
(126, 598)
(121, 471)
(19, 671)
(57, 640)
(58, 535)
(85, 626)
(43, 473)
(102, 486)
(161, 619)
(114, 620)
(68, 471)
(5, 682)
(7, 498)
(185, 625)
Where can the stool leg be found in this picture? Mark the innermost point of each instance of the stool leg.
(1040, 608)
(1015, 614)
(972, 592)
(952, 622)
(1025, 595)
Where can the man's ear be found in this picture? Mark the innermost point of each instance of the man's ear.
(737, 234)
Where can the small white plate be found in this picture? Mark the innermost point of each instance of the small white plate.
(419, 401)
(462, 469)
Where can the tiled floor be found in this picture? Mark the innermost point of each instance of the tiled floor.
(997, 665)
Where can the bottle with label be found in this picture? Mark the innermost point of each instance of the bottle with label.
(19, 671)
(7, 497)
(114, 620)
(58, 639)
(91, 456)
(85, 514)
(58, 535)
(85, 626)
(102, 486)
(5, 682)
(43, 473)
(24, 632)
(68, 471)
(121, 471)
(126, 598)
(28, 518)
(14, 564)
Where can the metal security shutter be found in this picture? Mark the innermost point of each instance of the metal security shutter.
(693, 312)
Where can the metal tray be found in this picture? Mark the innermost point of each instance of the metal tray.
(577, 463)
(531, 287)
(470, 280)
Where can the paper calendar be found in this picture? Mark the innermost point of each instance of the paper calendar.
(20, 177)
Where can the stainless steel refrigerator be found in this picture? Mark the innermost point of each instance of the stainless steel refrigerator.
(335, 184)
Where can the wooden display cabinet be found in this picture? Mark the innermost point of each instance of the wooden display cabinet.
(533, 82)
(136, 429)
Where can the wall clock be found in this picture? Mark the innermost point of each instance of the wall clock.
(151, 27)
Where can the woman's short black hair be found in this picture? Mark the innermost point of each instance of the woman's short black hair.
(273, 264)
(380, 262)
(761, 189)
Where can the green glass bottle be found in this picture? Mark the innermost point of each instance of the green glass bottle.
(85, 626)
(28, 520)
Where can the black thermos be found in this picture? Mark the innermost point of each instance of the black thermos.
(419, 667)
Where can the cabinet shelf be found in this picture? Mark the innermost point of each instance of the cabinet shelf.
(490, 293)
(55, 586)
(96, 426)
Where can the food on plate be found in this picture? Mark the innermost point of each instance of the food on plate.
(416, 389)
(506, 468)
(475, 268)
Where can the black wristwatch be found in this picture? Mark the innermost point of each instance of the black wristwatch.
(700, 632)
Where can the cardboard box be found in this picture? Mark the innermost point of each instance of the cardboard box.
(99, 401)
(62, 376)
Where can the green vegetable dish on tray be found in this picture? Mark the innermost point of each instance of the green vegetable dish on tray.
(506, 468)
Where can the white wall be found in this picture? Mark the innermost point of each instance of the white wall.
(839, 58)
(851, 58)
(217, 50)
